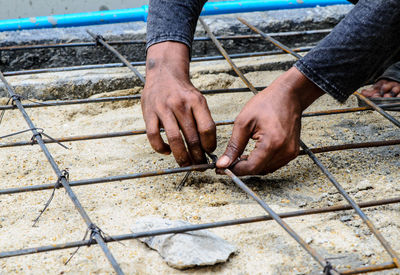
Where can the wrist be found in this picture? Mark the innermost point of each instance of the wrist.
(167, 59)
(301, 88)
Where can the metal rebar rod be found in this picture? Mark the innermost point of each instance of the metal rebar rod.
(195, 227)
(367, 269)
(143, 131)
(362, 215)
(341, 147)
(91, 137)
(388, 107)
(276, 217)
(142, 41)
(142, 63)
(101, 40)
(189, 168)
(226, 56)
(108, 179)
(270, 39)
(358, 210)
(61, 177)
(51, 103)
(378, 109)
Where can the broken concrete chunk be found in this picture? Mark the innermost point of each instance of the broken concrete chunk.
(184, 250)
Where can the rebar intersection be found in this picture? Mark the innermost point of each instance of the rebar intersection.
(102, 240)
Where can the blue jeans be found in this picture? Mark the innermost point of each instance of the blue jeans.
(342, 62)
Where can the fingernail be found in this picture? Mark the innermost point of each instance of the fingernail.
(223, 161)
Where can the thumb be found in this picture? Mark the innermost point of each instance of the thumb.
(237, 144)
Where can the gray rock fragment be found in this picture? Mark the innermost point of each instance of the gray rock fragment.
(346, 218)
(364, 185)
(184, 250)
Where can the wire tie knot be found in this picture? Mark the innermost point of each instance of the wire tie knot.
(328, 268)
(15, 97)
(98, 38)
(64, 175)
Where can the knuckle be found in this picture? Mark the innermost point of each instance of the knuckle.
(232, 148)
(152, 134)
(240, 123)
(174, 137)
(182, 161)
(201, 99)
(193, 142)
(196, 98)
(209, 130)
(175, 102)
(157, 147)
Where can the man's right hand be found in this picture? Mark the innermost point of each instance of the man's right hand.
(169, 100)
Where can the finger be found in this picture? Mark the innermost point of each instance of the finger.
(206, 127)
(368, 92)
(189, 130)
(376, 95)
(239, 139)
(257, 162)
(395, 91)
(279, 162)
(220, 171)
(386, 88)
(175, 140)
(153, 134)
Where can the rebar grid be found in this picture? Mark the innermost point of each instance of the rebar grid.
(100, 239)
(367, 221)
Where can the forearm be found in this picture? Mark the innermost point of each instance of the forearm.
(357, 46)
(170, 60)
(173, 20)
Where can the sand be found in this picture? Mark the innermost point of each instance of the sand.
(263, 248)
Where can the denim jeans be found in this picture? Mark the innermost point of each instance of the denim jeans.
(342, 62)
(392, 73)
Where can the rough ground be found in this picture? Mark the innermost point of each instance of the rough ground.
(264, 248)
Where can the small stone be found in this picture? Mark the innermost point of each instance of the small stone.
(368, 253)
(303, 204)
(184, 250)
(309, 240)
(364, 185)
(346, 218)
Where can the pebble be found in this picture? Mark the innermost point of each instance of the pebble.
(346, 218)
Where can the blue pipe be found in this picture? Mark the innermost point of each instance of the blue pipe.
(140, 14)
